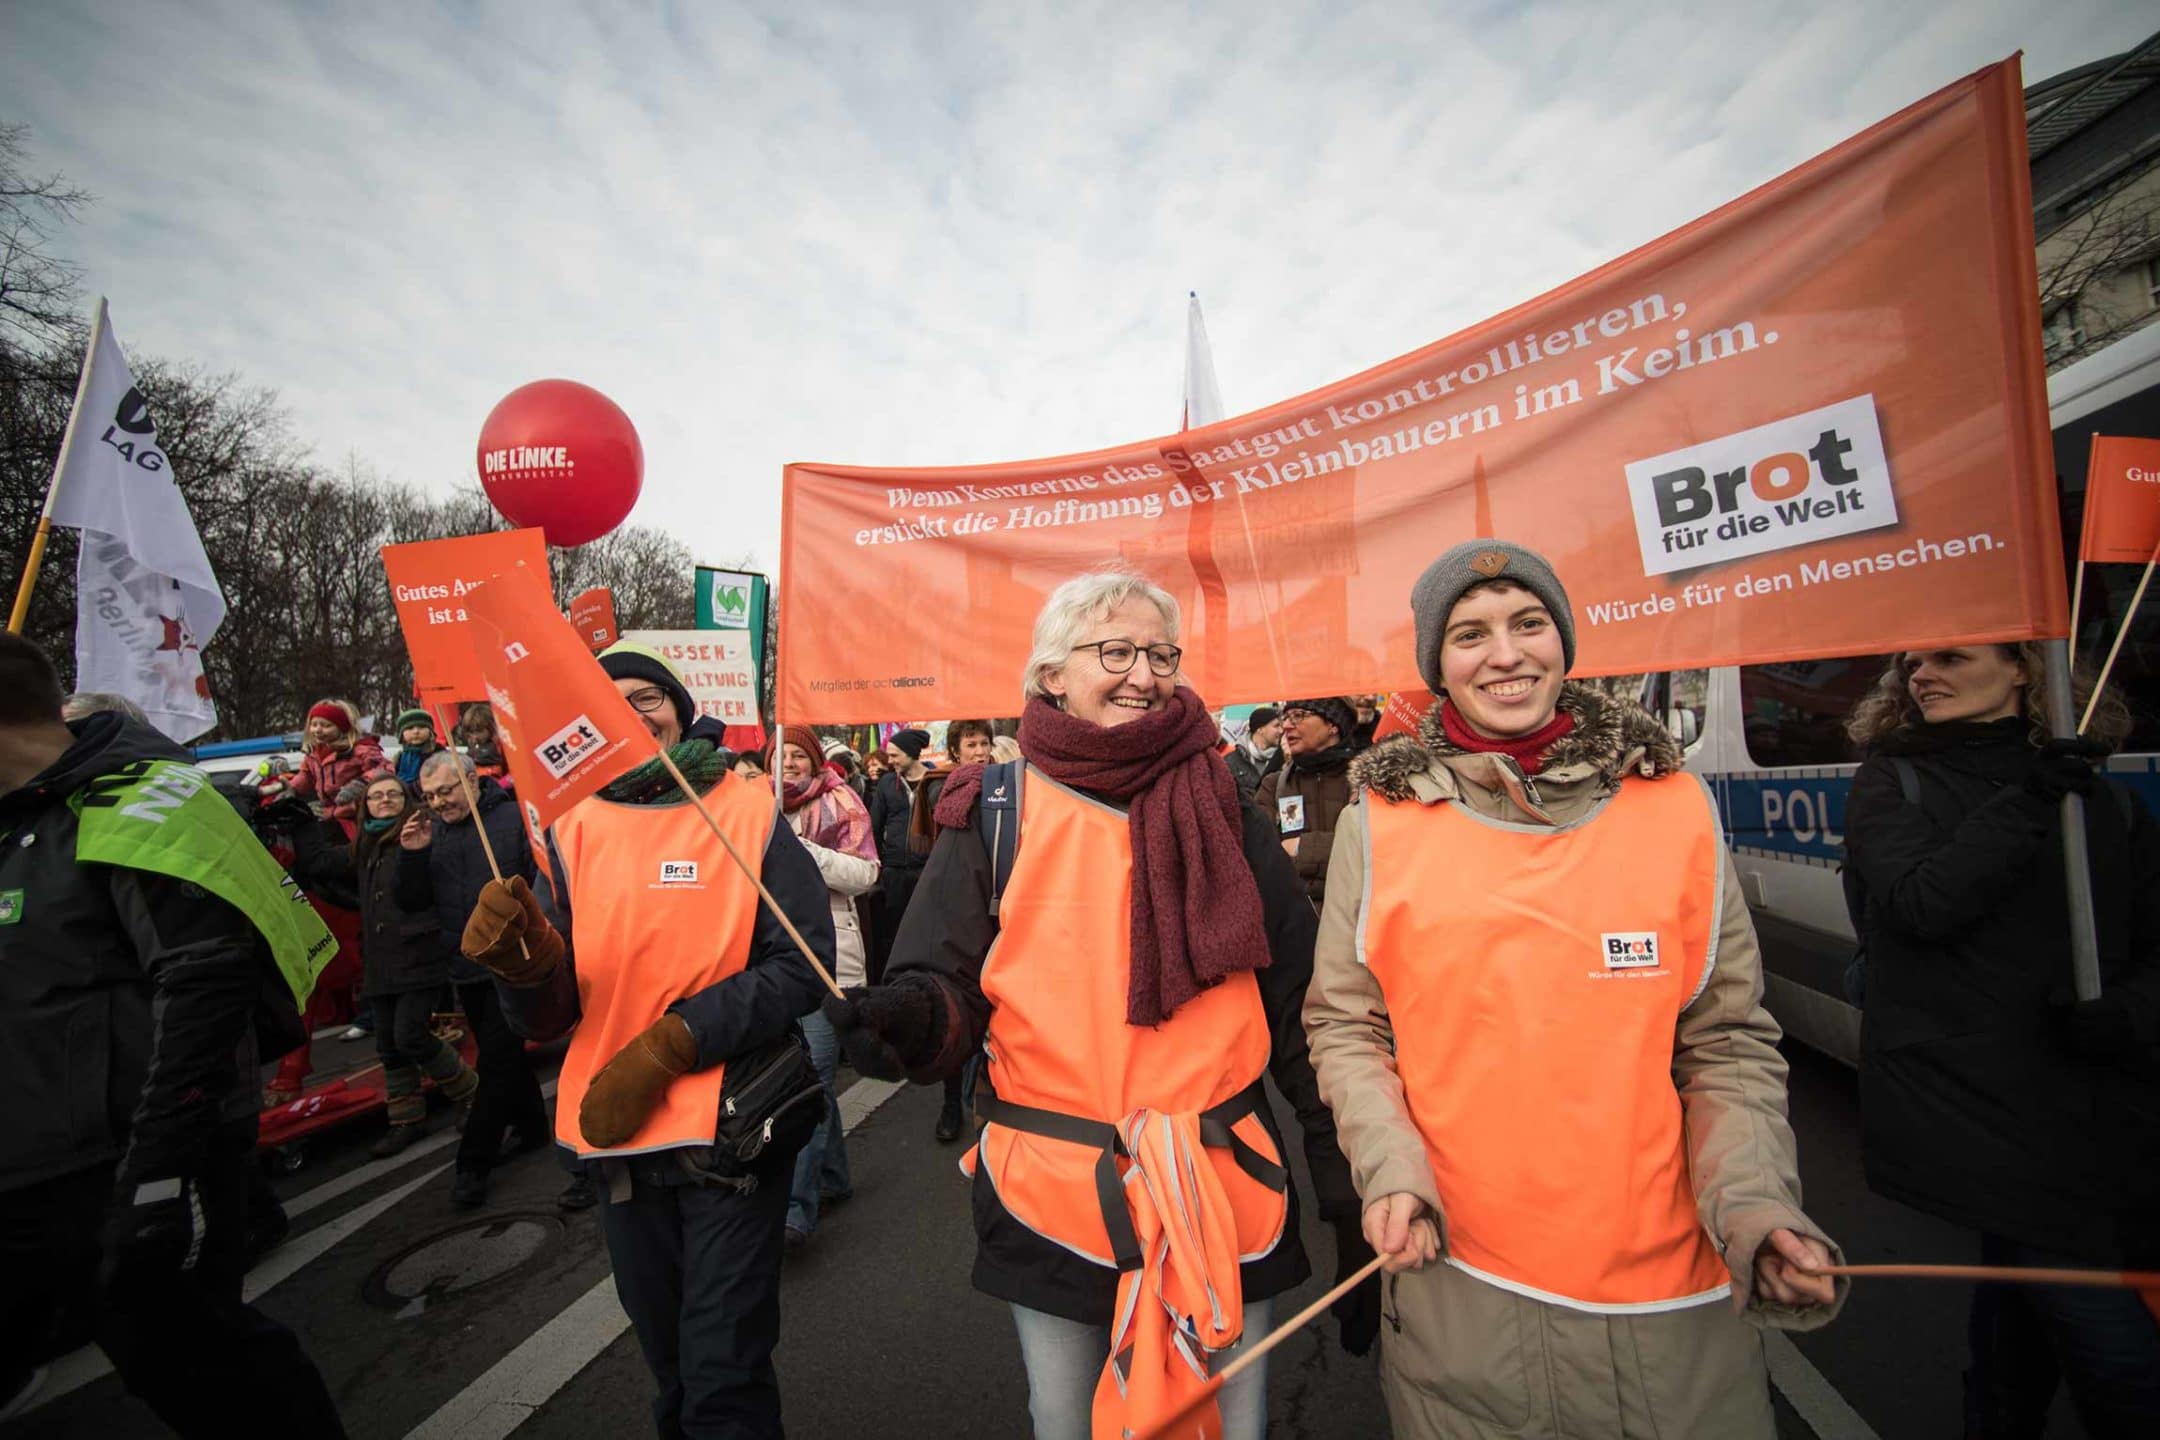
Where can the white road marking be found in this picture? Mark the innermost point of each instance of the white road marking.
(78, 1368)
(1815, 1398)
(516, 1386)
(374, 1170)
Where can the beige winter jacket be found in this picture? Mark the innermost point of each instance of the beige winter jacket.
(1461, 1357)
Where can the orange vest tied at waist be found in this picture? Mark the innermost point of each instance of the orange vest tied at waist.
(658, 913)
(1136, 1148)
(1534, 978)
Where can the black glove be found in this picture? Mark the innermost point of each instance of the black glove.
(2064, 767)
(2104, 1030)
(887, 1030)
(1359, 1311)
(153, 1234)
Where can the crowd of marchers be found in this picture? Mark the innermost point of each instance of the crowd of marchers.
(1498, 969)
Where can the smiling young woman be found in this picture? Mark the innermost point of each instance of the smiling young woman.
(1533, 914)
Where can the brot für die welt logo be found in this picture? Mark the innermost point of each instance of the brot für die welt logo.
(1804, 478)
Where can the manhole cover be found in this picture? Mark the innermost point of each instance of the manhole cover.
(459, 1260)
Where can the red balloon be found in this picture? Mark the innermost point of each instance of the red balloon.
(563, 457)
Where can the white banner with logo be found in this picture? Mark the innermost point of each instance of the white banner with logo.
(146, 599)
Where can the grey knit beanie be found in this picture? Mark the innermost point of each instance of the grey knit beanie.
(1433, 598)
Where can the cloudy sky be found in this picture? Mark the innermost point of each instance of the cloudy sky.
(903, 235)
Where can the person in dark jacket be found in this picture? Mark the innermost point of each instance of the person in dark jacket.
(1094, 1018)
(649, 947)
(1990, 1095)
(406, 961)
(900, 865)
(135, 1002)
(441, 869)
(1255, 757)
(1308, 793)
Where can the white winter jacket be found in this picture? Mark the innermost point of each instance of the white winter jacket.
(846, 876)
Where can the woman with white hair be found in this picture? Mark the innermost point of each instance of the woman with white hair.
(1152, 949)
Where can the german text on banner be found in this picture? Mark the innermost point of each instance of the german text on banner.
(716, 668)
(1810, 423)
(429, 583)
(146, 599)
(2122, 500)
(566, 730)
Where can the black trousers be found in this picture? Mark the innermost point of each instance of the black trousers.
(698, 1271)
(2102, 1345)
(186, 1346)
(402, 1033)
(508, 1093)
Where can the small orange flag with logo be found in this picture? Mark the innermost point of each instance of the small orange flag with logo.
(565, 729)
(2122, 500)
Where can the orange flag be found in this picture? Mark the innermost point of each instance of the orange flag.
(566, 730)
(593, 613)
(2122, 500)
(429, 583)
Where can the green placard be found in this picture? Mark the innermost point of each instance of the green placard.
(735, 600)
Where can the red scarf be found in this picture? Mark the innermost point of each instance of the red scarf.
(1196, 915)
(1527, 751)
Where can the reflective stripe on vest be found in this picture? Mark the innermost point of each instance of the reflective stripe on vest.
(658, 913)
(1058, 1041)
(1534, 978)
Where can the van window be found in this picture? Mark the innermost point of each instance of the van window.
(1795, 713)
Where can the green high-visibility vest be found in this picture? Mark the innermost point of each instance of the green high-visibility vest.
(163, 816)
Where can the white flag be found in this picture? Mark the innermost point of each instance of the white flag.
(1203, 402)
(146, 599)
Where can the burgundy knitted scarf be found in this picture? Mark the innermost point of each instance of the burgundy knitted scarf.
(1196, 916)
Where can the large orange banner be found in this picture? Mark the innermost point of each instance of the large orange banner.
(1811, 423)
(429, 580)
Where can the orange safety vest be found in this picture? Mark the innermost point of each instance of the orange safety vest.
(1534, 977)
(1096, 1129)
(658, 913)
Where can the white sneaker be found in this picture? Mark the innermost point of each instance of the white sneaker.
(355, 1033)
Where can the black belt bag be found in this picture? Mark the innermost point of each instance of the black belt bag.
(771, 1102)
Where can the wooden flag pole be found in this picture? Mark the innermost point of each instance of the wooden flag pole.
(2077, 597)
(1251, 1354)
(36, 562)
(2129, 615)
(744, 866)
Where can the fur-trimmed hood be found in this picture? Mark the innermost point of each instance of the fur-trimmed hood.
(1611, 738)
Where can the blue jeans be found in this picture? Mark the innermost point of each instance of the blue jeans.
(2103, 1345)
(821, 1168)
(1064, 1360)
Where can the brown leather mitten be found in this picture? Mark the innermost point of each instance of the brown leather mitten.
(508, 934)
(623, 1094)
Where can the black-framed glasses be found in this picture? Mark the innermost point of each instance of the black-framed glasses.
(1119, 656)
(647, 701)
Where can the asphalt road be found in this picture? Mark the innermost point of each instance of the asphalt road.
(513, 1325)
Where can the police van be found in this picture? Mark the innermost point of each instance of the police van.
(1770, 739)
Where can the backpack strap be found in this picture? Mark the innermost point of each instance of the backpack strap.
(1908, 778)
(997, 821)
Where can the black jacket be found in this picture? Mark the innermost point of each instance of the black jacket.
(448, 876)
(891, 802)
(1974, 1105)
(947, 933)
(730, 1017)
(1249, 772)
(126, 998)
(402, 949)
